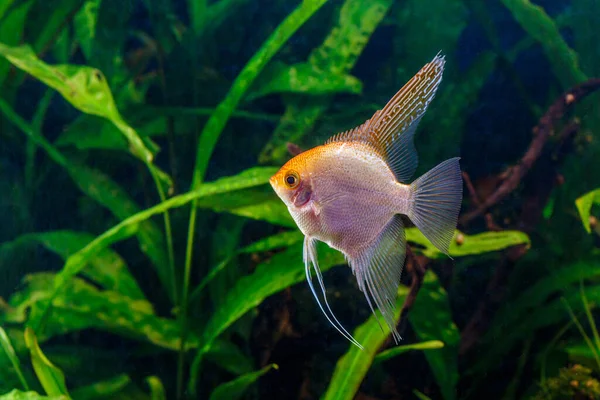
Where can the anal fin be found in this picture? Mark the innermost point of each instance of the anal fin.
(378, 267)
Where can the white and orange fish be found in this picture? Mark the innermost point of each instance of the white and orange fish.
(350, 192)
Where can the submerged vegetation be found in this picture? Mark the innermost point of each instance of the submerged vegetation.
(144, 255)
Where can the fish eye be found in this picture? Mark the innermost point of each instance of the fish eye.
(292, 179)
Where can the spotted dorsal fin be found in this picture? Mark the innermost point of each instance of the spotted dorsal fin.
(390, 131)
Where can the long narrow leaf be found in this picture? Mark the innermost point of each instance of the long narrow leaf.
(234, 390)
(215, 125)
(353, 366)
(534, 20)
(431, 318)
(12, 356)
(51, 378)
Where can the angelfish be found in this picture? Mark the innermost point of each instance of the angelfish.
(351, 191)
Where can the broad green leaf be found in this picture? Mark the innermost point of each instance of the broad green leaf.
(284, 239)
(353, 366)
(12, 356)
(257, 203)
(584, 206)
(84, 87)
(470, 244)
(233, 390)
(107, 268)
(431, 319)
(157, 390)
(228, 356)
(217, 121)
(539, 25)
(51, 378)
(304, 78)
(283, 270)
(395, 351)
(82, 306)
(18, 395)
(102, 390)
(336, 55)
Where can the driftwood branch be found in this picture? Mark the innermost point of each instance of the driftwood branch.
(542, 132)
(532, 205)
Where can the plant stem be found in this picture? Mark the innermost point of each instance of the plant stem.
(184, 301)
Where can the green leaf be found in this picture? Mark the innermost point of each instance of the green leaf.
(107, 268)
(336, 55)
(258, 204)
(233, 390)
(47, 20)
(395, 351)
(420, 396)
(304, 78)
(111, 31)
(82, 306)
(11, 29)
(84, 25)
(229, 357)
(51, 378)
(84, 87)
(353, 366)
(251, 290)
(12, 356)
(431, 319)
(157, 390)
(539, 25)
(277, 241)
(217, 121)
(470, 244)
(18, 395)
(584, 206)
(534, 308)
(77, 261)
(102, 390)
(580, 352)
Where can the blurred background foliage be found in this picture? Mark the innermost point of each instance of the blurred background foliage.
(144, 255)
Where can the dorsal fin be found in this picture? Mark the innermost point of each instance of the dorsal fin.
(390, 131)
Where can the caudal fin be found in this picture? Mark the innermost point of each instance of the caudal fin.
(436, 199)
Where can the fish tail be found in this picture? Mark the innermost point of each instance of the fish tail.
(436, 198)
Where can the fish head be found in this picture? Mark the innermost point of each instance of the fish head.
(292, 182)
